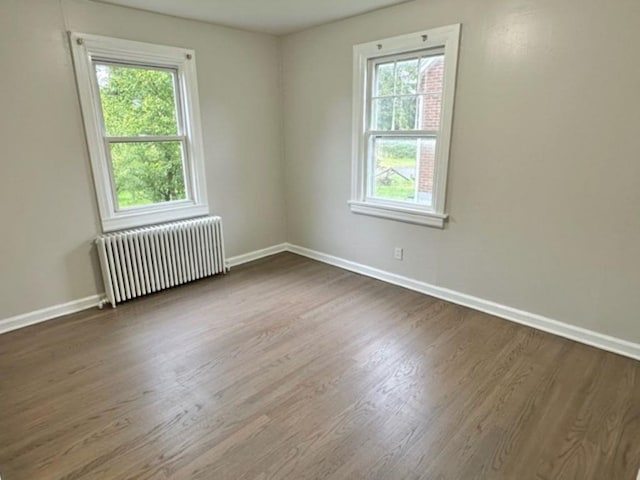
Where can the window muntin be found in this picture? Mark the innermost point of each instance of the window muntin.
(141, 113)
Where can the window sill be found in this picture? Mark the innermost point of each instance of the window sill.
(401, 214)
(135, 219)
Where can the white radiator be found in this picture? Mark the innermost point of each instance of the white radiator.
(144, 260)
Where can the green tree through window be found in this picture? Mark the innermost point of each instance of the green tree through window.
(140, 102)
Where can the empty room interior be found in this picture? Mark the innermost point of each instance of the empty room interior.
(311, 239)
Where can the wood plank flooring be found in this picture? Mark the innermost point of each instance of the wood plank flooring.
(290, 369)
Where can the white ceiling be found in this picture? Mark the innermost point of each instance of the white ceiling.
(270, 16)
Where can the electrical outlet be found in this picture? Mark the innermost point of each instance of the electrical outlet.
(398, 253)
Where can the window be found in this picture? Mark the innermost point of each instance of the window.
(403, 108)
(140, 108)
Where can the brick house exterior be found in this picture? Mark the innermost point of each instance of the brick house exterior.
(431, 85)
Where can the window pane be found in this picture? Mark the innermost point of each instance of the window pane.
(137, 101)
(394, 113)
(382, 114)
(407, 76)
(405, 113)
(431, 88)
(403, 169)
(426, 169)
(384, 79)
(394, 168)
(431, 74)
(146, 173)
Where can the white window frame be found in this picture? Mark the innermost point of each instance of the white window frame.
(442, 40)
(89, 48)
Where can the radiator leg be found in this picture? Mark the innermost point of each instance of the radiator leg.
(103, 302)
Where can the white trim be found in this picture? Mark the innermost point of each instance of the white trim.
(539, 322)
(256, 255)
(147, 139)
(49, 313)
(402, 214)
(445, 38)
(134, 218)
(85, 48)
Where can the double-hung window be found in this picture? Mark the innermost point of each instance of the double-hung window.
(140, 108)
(403, 108)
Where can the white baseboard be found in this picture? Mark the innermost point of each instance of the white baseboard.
(49, 313)
(582, 335)
(256, 255)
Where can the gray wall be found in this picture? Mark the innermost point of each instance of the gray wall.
(544, 185)
(47, 203)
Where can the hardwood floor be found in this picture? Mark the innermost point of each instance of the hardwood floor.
(290, 369)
